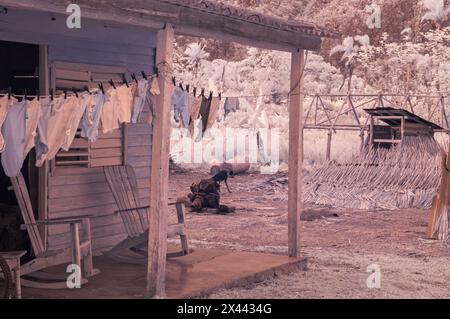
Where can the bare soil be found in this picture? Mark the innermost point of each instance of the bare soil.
(339, 244)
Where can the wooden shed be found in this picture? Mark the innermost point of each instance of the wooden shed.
(390, 126)
(124, 37)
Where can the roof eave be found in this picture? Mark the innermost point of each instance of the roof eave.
(186, 21)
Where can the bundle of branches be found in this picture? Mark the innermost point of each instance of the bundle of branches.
(404, 176)
(438, 226)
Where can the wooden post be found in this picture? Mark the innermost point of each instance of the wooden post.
(444, 114)
(362, 137)
(159, 181)
(328, 154)
(402, 130)
(372, 130)
(44, 83)
(181, 220)
(295, 202)
(76, 249)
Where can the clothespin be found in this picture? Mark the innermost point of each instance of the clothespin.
(25, 99)
(174, 81)
(65, 94)
(86, 88)
(125, 80)
(112, 84)
(9, 93)
(100, 85)
(203, 93)
(195, 92)
(37, 95)
(210, 95)
(51, 94)
(181, 87)
(133, 76)
(75, 91)
(187, 88)
(220, 96)
(144, 75)
(156, 71)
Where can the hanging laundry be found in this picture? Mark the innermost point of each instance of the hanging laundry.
(231, 105)
(41, 146)
(221, 113)
(151, 100)
(213, 112)
(139, 99)
(91, 118)
(124, 103)
(5, 104)
(110, 114)
(154, 87)
(56, 126)
(204, 112)
(13, 131)
(74, 120)
(195, 102)
(181, 107)
(33, 115)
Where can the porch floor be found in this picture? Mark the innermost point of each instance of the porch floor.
(195, 275)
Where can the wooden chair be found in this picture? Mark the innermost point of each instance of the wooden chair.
(123, 184)
(12, 258)
(44, 258)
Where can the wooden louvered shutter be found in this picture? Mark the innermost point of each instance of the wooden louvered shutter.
(109, 148)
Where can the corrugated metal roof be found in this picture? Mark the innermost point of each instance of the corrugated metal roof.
(409, 117)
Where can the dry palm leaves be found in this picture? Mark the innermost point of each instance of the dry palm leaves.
(405, 176)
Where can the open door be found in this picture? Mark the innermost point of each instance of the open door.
(19, 70)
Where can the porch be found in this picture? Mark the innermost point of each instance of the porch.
(192, 276)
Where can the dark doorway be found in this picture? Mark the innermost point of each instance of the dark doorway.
(19, 71)
(19, 67)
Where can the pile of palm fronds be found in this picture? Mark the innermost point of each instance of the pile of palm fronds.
(404, 176)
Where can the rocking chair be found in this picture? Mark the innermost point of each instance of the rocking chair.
(123, 184)
(45, 258)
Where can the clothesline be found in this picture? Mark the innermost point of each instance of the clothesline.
(50, 125)
(284, 94)
(170, 77)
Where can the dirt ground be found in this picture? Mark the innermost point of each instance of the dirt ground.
(339, 244)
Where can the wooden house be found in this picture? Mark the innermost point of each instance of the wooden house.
(39, 51)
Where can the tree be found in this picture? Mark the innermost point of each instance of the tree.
(436, 11)
(195, 54)
(350, 54)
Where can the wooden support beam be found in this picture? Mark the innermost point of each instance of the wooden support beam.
(159, 181)
(295, 201)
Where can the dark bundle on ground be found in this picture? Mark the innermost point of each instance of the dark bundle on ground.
(206, 194)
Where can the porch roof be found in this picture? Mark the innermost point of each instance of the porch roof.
(202, 18)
